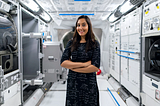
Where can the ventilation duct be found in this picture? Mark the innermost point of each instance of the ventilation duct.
(134, 2)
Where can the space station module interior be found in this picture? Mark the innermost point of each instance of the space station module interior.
(30, 57)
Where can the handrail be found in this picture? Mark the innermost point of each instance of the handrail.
(127, 51)
(127, 57)
(113, 97)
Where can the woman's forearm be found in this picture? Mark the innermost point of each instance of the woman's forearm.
(71, 65)
(89, 69)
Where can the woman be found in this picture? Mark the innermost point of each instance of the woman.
(82, 58)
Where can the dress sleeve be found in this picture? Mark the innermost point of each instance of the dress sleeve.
(67, 52)
(96, 56)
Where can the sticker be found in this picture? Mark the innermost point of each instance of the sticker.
(157, 95)
(157, 7)
(158, 28)
(44, 46)
(146, 12)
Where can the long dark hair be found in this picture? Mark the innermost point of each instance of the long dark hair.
(90, 37)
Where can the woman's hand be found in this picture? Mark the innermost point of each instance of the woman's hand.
(86, 64)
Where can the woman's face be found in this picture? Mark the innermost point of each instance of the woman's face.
(82, 27)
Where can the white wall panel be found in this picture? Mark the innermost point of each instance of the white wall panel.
(134, 67)
(124, 68)
(130, 49)
(124, 26)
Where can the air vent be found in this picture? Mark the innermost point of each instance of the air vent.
(57, 2)
(117, 13)
(134, 2)
(84, 3)
(70, 3)
(59, 8)
(71, 8)
(84, 9)
(100, 3)
(96, 8)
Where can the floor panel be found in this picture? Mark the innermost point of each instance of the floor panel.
(59, 86)
(103, 84)
(57, 94)
(54, 98)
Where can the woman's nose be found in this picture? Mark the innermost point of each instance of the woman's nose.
(80, 26)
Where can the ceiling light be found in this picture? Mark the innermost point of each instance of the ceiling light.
(77, 14)
(32, 5)
(112, 18)
(126, 7)
(82, 0)
(45, 16)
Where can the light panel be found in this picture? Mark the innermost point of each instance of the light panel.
(45, 16)
(112, 18)
(31, 5)
(77, 14)
(82, 0)
(126, 7)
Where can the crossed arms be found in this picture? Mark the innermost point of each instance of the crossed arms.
(81, 67)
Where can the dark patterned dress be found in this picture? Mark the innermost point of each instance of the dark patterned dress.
(82, 89)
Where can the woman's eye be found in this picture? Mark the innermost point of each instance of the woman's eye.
(83, 24)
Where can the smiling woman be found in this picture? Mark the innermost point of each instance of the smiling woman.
(82, 58)
(82, 29)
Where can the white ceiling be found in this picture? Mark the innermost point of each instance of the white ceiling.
(100, 8)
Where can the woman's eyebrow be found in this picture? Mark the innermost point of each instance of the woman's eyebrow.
(81, 23)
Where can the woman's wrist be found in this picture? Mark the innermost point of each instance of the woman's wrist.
(86, 64)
